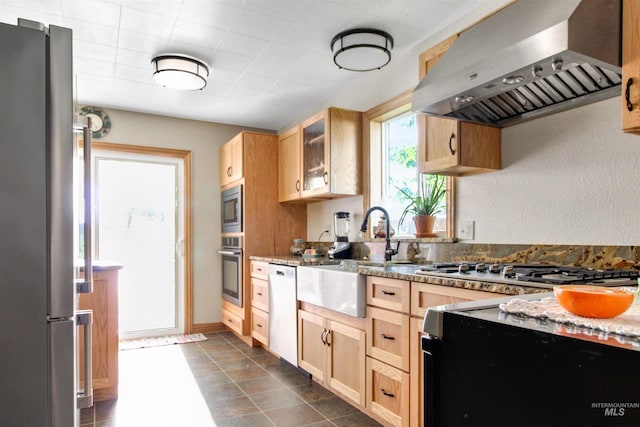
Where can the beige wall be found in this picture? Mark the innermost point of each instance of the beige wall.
(570, 178)
(203, 139)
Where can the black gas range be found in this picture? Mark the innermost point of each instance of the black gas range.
(533, 275)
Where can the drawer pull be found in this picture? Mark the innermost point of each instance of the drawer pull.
(259, 293)
(230, 321)
(388, 293)
(322, 335)
(387, 337)
(259, 325)
(386, 393)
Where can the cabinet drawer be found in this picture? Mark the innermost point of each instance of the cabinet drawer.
(388, 337)
(232, 321)
(260, 294)
(425, 295)
(391, 294)
(260, 270)
(260, 326)
(388, 392)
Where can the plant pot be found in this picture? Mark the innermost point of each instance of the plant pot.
(424, 225)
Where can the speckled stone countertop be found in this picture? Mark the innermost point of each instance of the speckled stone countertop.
(406, 272)
(295, 260)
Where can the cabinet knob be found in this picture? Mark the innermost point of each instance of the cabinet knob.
(627, 95)
(453, 152)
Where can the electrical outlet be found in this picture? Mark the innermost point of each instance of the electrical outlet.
(467, 230)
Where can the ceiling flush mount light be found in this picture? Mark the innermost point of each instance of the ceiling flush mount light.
(177, 71)
(362, 49)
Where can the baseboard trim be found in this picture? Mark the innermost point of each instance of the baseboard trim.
(208, 328)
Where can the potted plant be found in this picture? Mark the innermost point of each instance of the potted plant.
(426, 204)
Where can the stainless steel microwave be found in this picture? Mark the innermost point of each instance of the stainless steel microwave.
(232, 210)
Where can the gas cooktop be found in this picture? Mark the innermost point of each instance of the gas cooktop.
(533, 275)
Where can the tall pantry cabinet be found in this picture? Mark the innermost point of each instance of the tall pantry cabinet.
(268, 227)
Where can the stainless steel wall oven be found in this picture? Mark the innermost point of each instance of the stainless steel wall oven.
(231, 254)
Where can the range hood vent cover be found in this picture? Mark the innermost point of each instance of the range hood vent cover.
(531, 59)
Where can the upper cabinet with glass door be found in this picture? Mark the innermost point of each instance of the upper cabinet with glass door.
(315, 155)
(329, 159)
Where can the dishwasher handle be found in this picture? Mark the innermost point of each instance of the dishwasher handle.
(277, 271)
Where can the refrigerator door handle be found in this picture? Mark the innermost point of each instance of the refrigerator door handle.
(85, 396)
(86, 286)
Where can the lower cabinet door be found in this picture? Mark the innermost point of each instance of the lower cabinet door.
(388, 392)
(232, 321)
(260, 325)
(311, 344)
(346, 372)
(388, 339)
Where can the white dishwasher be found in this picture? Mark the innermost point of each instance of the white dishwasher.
(283, 312)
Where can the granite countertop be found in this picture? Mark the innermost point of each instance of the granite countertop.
(405, 272)
(295, 260)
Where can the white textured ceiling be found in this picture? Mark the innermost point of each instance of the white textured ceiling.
(269, 59)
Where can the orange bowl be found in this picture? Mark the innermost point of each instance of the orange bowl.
(593, 301)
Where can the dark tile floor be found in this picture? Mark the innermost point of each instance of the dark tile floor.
(217, 383)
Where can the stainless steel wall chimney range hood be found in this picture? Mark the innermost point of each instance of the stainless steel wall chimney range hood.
(531, 59)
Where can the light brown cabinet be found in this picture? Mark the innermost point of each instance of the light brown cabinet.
(231, 160)
(388, 337)
(395, 311)
(260, 301)
(103, 301)
(457, 148)
(388, 304)
(451, 147)
(333, 352)
(631, 67)
(289, 170)
(268, 227)
(233, 321)
(326, 163)
(388, 393)
(423, 296)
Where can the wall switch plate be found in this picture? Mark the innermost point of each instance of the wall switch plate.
(467, 230)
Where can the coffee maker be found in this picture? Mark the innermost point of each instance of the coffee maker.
(341, 248)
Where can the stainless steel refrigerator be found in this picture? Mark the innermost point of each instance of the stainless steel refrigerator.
(39, 326)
